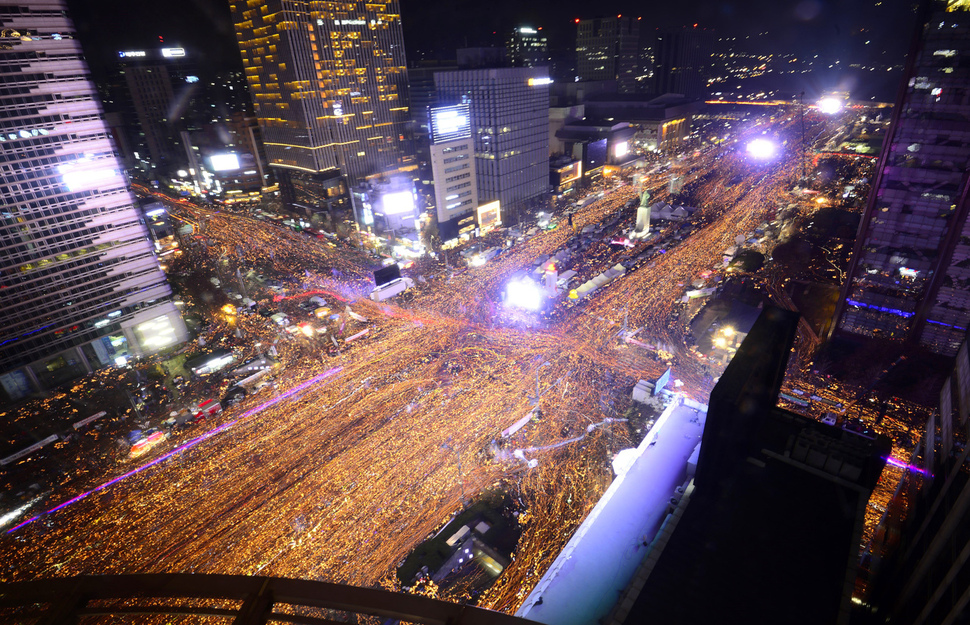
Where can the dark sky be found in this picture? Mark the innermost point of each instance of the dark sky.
(800, 26)
(799, 23)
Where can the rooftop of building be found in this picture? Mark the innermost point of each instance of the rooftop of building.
(772, 530)
(581, 130)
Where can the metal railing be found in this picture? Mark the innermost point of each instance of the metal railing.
(245, 600)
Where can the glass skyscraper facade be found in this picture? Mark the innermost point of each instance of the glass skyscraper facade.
(328, 82)
(510, 130)
(910, 274)
(80, 285)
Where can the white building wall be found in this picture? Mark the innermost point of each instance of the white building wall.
(455, 180)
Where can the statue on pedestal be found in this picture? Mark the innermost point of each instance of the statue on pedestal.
(642, 229)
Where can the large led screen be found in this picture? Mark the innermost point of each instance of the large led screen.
(450, 122)
(224, 162)
(398, 203)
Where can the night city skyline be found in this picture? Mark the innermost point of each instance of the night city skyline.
(508, 313)
(801, 28)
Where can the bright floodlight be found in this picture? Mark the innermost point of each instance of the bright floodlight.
(829, 106)
(524, 294)
(762, 148)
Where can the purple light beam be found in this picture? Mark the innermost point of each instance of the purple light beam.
(904, 465)
(187, 445)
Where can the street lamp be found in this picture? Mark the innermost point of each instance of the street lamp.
(537, 378)
(801, 108)
(461, 478)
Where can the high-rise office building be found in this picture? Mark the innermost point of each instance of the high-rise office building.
(329, 86)
(528, 47)
(682, 61)
(453, 168)
(510, 130)
(80, 285)
(608, 49)
(909, 278)
(227, 94)
(156, 90)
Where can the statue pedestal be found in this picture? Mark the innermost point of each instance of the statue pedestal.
(642, 229)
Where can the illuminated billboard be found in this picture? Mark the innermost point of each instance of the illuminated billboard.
(170, 53)
(157, 333)
(224, 162)
(398, 203)
(621, 149)
(132, 54)
(449, 123)
(489, 216)
(541, 80)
